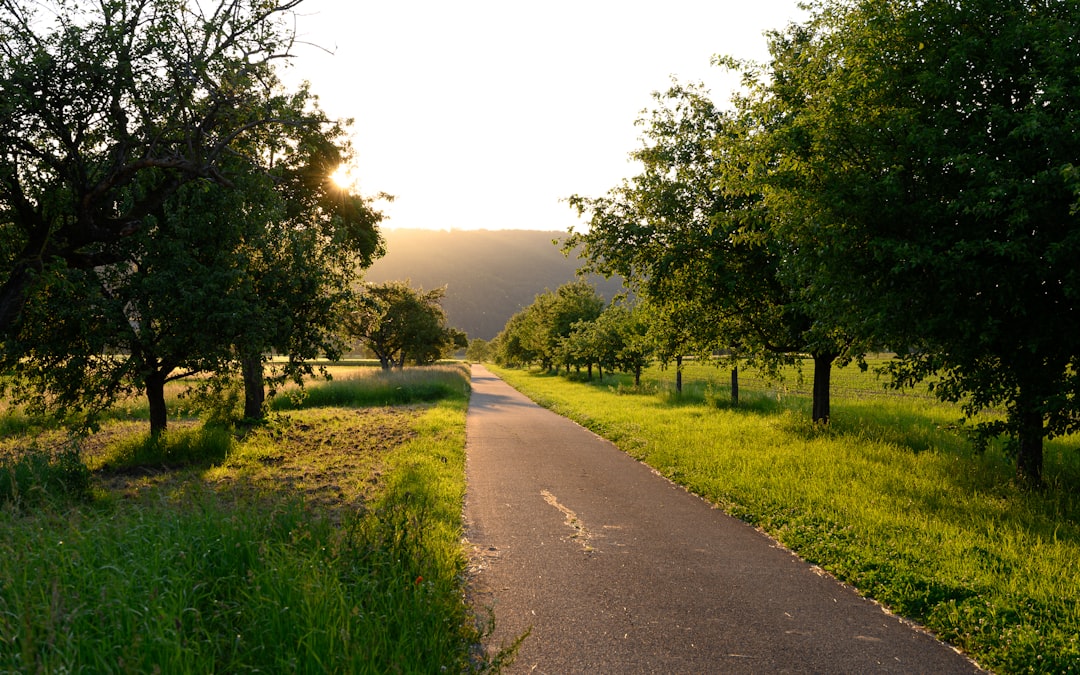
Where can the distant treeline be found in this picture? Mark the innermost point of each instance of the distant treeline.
(489, 274)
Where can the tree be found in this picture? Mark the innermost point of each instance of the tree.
(305, 261)
(691, 235)
(922, 157)
(479, 350)
(510, 346)
(626, 331)
(399, 324)
(537, 334)
(168, 203)
(107, 109)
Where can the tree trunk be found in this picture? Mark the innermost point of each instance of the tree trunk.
(254, 387)
(155, 396)
(1029, 447)
(590, 372)
(637, 376)
(822, 374)
(735, 386)
(13, 294)
(678, 374)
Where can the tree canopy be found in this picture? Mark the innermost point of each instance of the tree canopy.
(165, 202)
(693, 237)
(921, 156)
(401, 324)
(899, 174)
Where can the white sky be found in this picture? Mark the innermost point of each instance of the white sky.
(486, 114)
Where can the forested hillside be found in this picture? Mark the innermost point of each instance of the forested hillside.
(489, 274)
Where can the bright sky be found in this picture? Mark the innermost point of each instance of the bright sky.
(486, 114)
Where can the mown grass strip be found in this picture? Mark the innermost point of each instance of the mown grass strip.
(889, 498)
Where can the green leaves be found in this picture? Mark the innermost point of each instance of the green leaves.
(168, 202)
(919, 149)
(399, 323)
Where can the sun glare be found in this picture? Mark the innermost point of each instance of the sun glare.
(344, 177)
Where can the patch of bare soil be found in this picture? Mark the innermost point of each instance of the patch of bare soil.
(330, 458)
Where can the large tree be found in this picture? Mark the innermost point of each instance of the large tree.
(303, 261)
(922, 155)
(108, 107)
(167, 204)
(691, 235)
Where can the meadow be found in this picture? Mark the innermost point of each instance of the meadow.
(326, 540)
(891, 497)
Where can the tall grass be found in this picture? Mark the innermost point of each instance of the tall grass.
(373, 386)
(890, 498)
(195, 576)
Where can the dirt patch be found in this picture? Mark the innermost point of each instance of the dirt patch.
(330, 458)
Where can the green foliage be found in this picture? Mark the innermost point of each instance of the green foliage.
(32, 478)
(917, 156)
(479, 350)
(692, 236)
(617, 339)
(888, 498)
(169, 201)
(537, 333)
(399, 323)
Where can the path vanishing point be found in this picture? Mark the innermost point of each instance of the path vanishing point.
(614, 569)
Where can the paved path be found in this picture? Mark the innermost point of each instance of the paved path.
(616, 570)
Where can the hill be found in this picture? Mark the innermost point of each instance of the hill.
(489, 274)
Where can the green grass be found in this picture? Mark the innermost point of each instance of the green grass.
(890, 498)
(326, 541)
(367, 386)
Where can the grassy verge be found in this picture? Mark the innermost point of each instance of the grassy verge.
(326, 541)
(888, 498)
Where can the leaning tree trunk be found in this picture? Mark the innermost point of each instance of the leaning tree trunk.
(254, 387)
(822, 375)
(155, 396)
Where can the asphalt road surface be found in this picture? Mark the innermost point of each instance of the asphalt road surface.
(614, 569)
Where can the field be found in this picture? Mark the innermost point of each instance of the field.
(891, 497)
(328, 540)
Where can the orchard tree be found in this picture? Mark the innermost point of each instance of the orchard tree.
(479, 350)
(689, 232)
(399, 323)
(511, 346)
(626, 332)
(107, 108)
(303, 261)
(165, 204)
(921, 156)
(538, 332)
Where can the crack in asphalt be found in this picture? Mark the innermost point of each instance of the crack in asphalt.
(581, 533)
